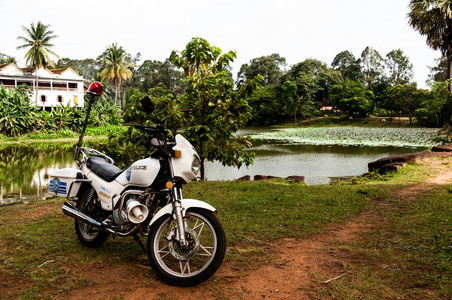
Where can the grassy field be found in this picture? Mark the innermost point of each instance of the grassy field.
(406, 255)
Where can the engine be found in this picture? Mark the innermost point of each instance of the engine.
(132, 209)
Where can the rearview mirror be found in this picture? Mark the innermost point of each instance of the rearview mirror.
(147, 104)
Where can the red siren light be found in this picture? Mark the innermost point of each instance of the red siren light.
(96, 88)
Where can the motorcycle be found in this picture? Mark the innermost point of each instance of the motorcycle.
(186, 242)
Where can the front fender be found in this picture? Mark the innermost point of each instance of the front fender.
(186, 205)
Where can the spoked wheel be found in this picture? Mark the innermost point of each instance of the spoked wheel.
(191, 264)
(89, 235)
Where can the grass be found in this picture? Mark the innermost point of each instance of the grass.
(406, 255)
(64, 135)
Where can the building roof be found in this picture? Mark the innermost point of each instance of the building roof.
(28, 69)
(62, 70)
(2, 66)
(12, 69)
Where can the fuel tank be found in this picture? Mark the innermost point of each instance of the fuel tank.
(141, 173)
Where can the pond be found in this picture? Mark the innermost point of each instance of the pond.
(25, 168)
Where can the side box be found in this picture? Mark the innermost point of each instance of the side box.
(63, 181)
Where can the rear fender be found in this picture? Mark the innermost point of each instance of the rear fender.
(186, 205)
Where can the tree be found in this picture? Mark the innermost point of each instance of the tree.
(433, 18)
(353, 98)
(314, 80)
(152, 72)
(6, 59)
(438, 72)
(116, 67)
(38, 41)
(406, 98)
(266, 105)
(269, 67)
(88, 67)
(346, 63)
(371, 67)
(436, 110)
(399, 66)
(215, 110)
(289, 94)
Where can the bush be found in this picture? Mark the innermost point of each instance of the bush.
(17, 115)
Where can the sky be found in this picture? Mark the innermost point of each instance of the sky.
(295, 29)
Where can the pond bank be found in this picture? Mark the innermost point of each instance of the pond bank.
(393, 163)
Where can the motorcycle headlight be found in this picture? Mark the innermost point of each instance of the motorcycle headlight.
(195, 164)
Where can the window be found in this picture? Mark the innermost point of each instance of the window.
(60, 98)
(43, 98)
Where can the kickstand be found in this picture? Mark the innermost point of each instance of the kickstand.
(137, 239)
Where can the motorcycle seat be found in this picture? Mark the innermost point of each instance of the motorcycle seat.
(102, 168)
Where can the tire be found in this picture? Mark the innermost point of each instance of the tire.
(89, 235)
(187, 267)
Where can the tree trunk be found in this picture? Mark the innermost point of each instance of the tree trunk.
(116, 95)
(449, 70)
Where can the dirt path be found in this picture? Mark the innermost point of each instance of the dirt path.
(300, 269)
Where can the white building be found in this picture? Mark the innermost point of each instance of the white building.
(57, 86)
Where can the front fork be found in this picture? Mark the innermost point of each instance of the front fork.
(177, 208)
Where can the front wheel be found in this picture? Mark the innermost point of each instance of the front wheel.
(194, 263)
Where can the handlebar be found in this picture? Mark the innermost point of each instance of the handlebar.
(150, 129)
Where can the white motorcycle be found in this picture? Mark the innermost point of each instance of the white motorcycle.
(185, 241)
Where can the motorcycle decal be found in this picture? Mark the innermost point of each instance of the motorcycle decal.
(144, 168)
(56, 186)
(105, 192)
(128, 173)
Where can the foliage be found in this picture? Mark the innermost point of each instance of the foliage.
(405, 98)
(116, 67)
(314, 80)
(215, 109)
(436, 110)
(166, 108)
(151, 73)
(438, 72)
(352, 98)
(346, 63)
(290, 97)
(400, 68)
(38, 41)
(266, 105)
(433, 18)
(6, 59)
(88, 68)
(104, 111)
(269, 67)
(372, 67)
(17, 114)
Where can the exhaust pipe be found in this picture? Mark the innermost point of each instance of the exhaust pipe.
(74, 212)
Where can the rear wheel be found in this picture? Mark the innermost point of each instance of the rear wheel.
(192, 264)
(89, 235)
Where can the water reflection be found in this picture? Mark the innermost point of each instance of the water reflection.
(25, 169)
(319, 164)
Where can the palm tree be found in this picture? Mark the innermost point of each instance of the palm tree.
(116, 67)
(433, 18)
(38, 40)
